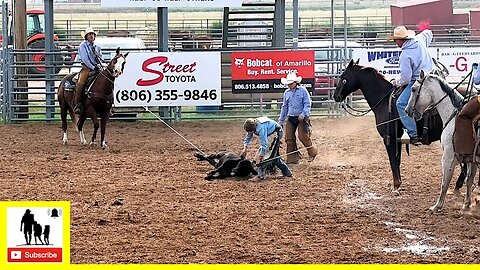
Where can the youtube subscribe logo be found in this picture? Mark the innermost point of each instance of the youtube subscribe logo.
(20, 255)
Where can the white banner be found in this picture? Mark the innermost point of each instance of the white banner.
(459, 60)
(383, 59)
(170, 79)
(172, 3)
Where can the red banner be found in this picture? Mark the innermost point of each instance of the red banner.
(260, 71)
(43, 254)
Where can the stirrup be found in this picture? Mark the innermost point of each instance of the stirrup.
(405, 139)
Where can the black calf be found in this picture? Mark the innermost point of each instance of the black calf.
(227, 164)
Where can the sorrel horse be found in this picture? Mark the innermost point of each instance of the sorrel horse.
(377, 92)
(98, 99)
(433, 91)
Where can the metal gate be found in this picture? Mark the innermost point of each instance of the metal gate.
(32, 97)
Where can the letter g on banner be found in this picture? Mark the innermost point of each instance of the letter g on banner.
(461, 64)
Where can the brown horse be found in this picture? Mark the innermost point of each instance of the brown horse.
(98, 99)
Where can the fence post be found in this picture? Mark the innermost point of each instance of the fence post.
(20, 43)
(3, 62)
(49, 58)
(9, 84)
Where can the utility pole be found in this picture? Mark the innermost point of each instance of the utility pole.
(20, 43)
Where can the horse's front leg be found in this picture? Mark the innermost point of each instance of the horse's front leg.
(80, 123)
(105, 117)
(448, 168)
(472, 170)
(394, 158)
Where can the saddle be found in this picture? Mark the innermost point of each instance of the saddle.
(466, 135)
(71, 82)
(429, 127)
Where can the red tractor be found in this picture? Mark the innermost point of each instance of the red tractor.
(35, 40)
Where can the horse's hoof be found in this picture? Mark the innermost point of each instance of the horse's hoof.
(434, 209)
(466, 207)
(395, 192)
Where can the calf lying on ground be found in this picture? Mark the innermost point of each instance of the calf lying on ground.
(226, 164)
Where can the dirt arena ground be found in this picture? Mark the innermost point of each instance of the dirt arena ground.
(337, 209)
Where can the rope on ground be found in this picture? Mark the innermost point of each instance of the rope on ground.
(176, 132)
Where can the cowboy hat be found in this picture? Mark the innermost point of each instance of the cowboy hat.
(401, 32)
(291, 78)
(88, 31)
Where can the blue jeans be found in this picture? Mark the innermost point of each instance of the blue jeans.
(407, 121)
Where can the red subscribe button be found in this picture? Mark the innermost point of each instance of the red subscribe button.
(34, 255)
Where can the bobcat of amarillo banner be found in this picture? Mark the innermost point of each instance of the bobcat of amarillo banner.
(260, 72)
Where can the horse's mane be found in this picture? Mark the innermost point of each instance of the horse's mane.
(454, 95)
(374, 71)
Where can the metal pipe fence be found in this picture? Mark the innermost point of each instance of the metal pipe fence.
(37, 100)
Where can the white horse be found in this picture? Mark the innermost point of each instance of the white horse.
(433, 91)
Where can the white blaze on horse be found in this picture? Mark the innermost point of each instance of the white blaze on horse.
(431, 91)
(98, 99)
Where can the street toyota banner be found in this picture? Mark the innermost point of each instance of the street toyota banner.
(171, 3)
(260, 71)
(169, 79)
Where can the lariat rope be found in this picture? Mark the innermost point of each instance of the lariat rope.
(171, 128)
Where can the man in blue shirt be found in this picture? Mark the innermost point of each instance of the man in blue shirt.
(89, 55)
(267, 157)
(294, 115)
(476, 74)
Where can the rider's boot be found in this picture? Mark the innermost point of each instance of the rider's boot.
(78, 98)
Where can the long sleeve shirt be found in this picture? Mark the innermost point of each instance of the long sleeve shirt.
(87, 54)
(264, 129)
(295, 103)
(415, 57)
(476, 76)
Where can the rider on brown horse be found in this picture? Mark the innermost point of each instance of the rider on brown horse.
(90, 57)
